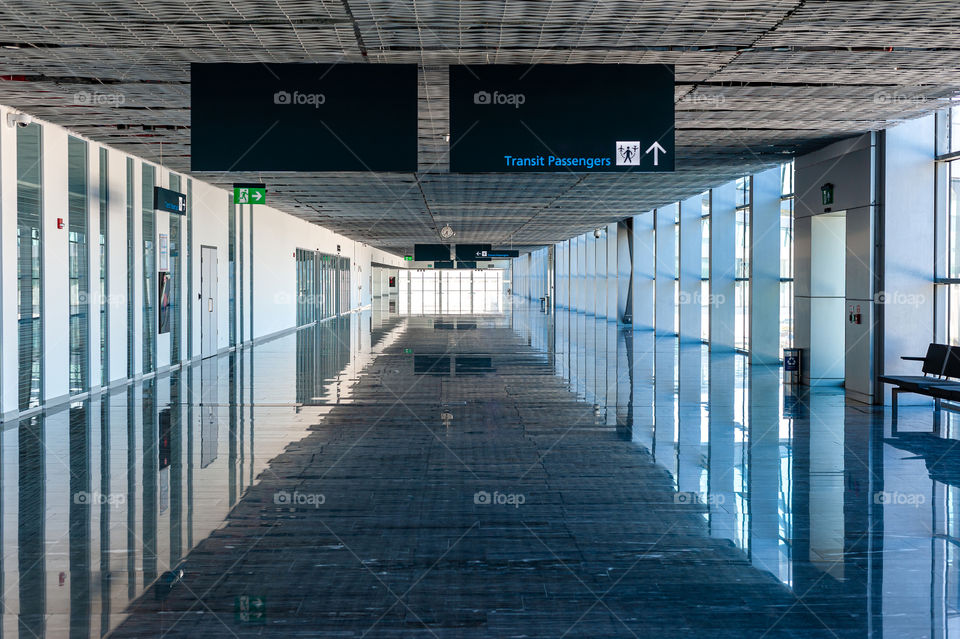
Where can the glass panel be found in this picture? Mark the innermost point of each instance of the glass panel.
(149, 271)
(29, 267)
(786, 238)
(786, 179)
(232, 269)
(78, 264)
(104, 221)
(187, 255)
(953, 219)
(954, 129)
(743, 191)
(175, 279)
(705, 310)
(786, 315)
(786, 255)
(953, 314)
(131, 264)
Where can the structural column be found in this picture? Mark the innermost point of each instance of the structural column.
(644, 271)
(666, 282)
(691, 267)
(8, 271)
(723, 267)
(611, 283)
(590, 281)
(765, 269)
(624, 269)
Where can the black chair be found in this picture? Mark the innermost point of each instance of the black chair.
(940, 363)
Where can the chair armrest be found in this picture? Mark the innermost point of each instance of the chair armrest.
(912, 359)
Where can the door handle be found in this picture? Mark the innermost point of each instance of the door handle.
(209, 304)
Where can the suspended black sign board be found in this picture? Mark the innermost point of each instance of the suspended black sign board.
(303, 117)
(431, 252)
(561, 117)
(473, 252)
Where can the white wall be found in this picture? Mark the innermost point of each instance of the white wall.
(276, 236)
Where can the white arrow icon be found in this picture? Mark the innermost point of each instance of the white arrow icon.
(258, 195)
(657, 150)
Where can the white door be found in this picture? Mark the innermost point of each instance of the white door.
(208, 301)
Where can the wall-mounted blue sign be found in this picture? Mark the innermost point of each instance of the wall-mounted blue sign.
(170, 201)
(561, 117)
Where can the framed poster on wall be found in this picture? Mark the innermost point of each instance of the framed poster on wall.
(163, 308)
(164, 260)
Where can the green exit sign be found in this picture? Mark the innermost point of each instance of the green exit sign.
(249, 194)
(826, 194)
(408, 258)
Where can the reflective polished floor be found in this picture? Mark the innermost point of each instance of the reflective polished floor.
(513, 474)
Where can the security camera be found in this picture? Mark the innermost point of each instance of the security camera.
(19, 119)
(598, 233)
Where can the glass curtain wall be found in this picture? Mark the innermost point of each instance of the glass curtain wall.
(742, 330)
(705, 300)
(78, 223)
(455, 292)
(323, 286)
(149, 271)
(786, 255)
(29, 265)
(948, 227)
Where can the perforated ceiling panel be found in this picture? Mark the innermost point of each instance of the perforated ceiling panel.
(756, 83)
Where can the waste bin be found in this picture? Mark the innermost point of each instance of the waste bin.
(791, 365)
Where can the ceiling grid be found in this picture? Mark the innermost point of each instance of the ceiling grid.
(757, 81)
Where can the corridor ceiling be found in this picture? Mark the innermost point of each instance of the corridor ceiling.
(756, 82)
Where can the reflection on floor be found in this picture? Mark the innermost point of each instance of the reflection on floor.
(515, 474)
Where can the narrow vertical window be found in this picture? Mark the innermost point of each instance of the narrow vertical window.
(104, 263)
(232, 269)
(29, 265)
(149, 271)
(78, 222)
(174, 286)
(131, 282)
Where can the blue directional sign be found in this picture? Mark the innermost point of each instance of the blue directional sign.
(170, 201)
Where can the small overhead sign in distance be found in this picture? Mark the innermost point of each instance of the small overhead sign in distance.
(303, 117)
(578, 118)
(170, 201)
(250, 193)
